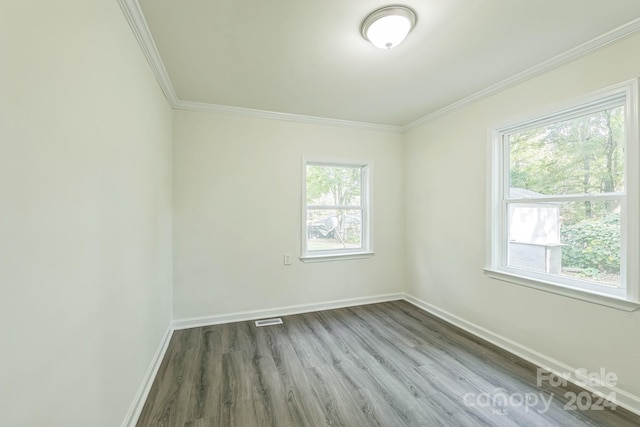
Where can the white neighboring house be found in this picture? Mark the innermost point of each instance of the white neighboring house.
(534, 234)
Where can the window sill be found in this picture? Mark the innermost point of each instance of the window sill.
(336, 257)
(579, 294)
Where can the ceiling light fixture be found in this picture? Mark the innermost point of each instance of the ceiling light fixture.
(387, 27)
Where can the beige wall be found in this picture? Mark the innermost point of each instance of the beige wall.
(446, 170)
(237, 210)
(86, 211)
(85, 214)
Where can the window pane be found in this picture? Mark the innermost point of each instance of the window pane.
(583, 155)
(577, 239)
(334, 229)
(334, 185)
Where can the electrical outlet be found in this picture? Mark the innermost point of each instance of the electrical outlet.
(287, 259)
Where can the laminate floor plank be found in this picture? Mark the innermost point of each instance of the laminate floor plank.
(293, 387)
(305, 343)
(387, 326)
(201, 422)
(236, 337)
(431, 330)
(390, 387)
(332, 400)
(205, 399)
(168, 398)
(334, 350)
(337, 338)
(463, 383)
(380, 351)
(357, 400)
(451, 412)
(237, 407)
(179, 342)
(405, 401)
(388, 364)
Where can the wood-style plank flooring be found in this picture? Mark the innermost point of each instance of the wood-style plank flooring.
(388, 364)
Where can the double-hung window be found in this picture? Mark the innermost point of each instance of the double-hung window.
(336, 210)
(565, 200)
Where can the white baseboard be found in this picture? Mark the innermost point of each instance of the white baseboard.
(135, 409)
(243, 316)
(623, 398)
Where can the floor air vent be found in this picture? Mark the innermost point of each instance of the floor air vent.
(269, 322)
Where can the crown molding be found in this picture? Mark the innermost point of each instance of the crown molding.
(135, 18)
(627, 30)
(138, 24)
(273, 115)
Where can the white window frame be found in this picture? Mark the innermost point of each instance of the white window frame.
(365, 206)
(627, 297)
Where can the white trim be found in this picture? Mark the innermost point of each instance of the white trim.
(569, 107)
(135, 18)
(498, 199)
(582, 294)
(606, 39)
(194, 322)
(630, 243)
(138, 24)
(274, 115)
(623, 398)
(365, 207)
(336, 257)
(135, 409)
(341, 207)
(533, 201)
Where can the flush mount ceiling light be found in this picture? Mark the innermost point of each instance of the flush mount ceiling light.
(387, 27)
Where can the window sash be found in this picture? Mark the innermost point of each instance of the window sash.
(593, 286)
(363, 207)
(614, 100)
(624, 94)
(336, 207)
(568, 198)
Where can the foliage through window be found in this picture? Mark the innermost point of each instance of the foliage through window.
(336, 214)
(561, 193)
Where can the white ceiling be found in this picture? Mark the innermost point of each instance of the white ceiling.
(308, 57)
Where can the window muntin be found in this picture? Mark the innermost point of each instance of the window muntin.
(561, 197)
(336, 209)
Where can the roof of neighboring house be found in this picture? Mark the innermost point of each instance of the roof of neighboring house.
(521, 193)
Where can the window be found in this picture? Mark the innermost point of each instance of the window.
(564, 200)
(336, 214)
